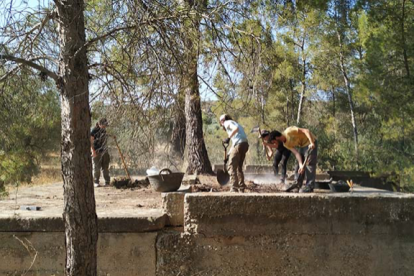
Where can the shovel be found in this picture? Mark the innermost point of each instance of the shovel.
(223, 176)
(301, 175)
(122, 158)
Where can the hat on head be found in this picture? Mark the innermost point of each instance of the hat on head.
(222, 117)
(103, 122)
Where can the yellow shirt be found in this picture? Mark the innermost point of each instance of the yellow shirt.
(294, 138)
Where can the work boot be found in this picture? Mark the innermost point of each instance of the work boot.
(306, 189)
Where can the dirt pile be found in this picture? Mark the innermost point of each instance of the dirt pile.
(126, 183)
(208, 183)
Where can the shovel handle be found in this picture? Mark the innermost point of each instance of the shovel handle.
(122, 157)
(225, 145)
(307, 158)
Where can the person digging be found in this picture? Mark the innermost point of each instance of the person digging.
(238, 151)
(281, 155)
(298, 141)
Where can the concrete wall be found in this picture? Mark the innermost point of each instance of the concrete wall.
(364, 233)
(118, 253)
(282, 234)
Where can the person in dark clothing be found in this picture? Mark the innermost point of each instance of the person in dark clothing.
(100, 154)
(281, 156)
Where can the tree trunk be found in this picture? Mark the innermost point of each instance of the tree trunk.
(350, 100)
(287, 110)
(79, 199)
(404, 43)
(198, 161)
(197, 157)
(179, 132)
(262, 108)
(333, 103)
(301, 100)
(292, 101)
(303, 82)
(334, 121)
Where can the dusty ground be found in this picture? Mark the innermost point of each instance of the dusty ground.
(109, 200)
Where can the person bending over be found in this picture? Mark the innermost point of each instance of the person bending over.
(281, 155)
(298, 140)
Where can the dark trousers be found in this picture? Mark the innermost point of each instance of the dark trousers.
(310, 169)
(282, 157)
(101, 161)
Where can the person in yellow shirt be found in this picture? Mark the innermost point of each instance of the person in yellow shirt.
(298, 141)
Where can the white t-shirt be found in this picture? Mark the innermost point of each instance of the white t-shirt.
(240, 136)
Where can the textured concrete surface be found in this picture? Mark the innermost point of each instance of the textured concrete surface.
(144, 221)
(364, 211)
(368, 232)
(287, 254)
(44, 254)
(173, 206)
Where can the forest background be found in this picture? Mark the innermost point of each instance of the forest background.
(343, 69)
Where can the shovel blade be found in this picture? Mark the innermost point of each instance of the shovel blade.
(223, 177)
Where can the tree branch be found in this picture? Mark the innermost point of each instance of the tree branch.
(124, 28)
(14, 70)
(30, 64)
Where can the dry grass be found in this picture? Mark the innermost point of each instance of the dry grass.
(47, 175)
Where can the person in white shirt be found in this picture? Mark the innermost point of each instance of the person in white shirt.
(237, 153)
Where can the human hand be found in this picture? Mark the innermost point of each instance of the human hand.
(93, 153)
(311, 145)
(226, 141)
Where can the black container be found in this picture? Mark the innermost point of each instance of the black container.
(339, 188)
(323, 184)
(166, 181)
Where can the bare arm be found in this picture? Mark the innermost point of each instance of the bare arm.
(269, 152)
(308, 135)
(271, 145)
(298, 157)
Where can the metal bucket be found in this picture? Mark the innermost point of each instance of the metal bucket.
(166, 181)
